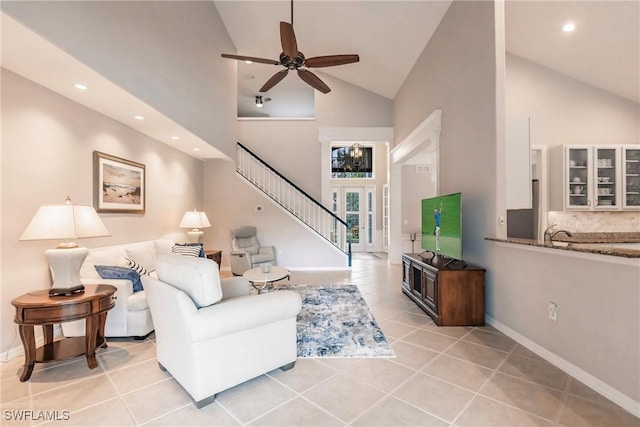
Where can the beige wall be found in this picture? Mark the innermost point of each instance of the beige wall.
(293, 148)
(350, 106)
(456, 73)
(165, 53)
(47, 154)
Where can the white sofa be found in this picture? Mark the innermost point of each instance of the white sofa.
(130, 317)
(211, 334)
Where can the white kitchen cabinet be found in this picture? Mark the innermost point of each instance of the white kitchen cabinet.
(578, 175)
(592, 177)
(606, 177)
(630, 182)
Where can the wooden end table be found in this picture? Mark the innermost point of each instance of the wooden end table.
(215, 255)
(38, 308)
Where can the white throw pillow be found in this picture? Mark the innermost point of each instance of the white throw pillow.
(144, 253)
(197, 277)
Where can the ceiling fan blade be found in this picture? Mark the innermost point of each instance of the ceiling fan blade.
(314, 81)
(288, 40)
(250, 58)
(330, 60)
(274, 80)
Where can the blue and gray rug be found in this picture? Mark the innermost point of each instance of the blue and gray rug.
(335, 321)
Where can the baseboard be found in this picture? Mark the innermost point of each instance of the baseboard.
(580, 374)
(18, 351)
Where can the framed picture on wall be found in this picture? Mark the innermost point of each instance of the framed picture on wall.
(118, 184)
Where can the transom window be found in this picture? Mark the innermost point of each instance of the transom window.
(355, 161)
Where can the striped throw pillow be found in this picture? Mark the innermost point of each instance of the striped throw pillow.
(132, 264)
(186, 250)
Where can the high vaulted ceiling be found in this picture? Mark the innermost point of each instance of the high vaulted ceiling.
(390, 35)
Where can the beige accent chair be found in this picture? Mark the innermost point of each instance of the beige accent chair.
(211, 334)
(247, 252)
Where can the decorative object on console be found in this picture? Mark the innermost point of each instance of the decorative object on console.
(65, 221)
(118, 184)
(195, 220)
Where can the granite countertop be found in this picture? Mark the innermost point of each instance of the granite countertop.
(595, 243)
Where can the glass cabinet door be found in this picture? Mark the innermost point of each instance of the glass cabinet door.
(631, 177)
(577, 177)
(606, 162)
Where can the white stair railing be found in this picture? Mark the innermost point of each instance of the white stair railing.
(293, 199)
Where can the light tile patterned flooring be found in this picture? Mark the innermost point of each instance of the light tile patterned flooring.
(441, 377)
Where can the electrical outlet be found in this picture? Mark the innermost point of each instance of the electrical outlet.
(501, 220)
(553, 311)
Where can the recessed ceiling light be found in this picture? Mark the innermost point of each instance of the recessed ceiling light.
(568, 27)
(81, 86)
(175, 137)
(196, 149)
(248, 62)
(138, 117)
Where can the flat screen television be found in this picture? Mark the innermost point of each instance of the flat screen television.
(442, 226)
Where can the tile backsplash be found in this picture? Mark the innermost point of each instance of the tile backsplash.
(589, 222)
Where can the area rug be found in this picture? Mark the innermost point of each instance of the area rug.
(335, 321)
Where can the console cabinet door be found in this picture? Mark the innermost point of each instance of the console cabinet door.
(406, 272)
(430, 288)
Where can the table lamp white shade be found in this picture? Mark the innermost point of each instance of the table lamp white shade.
(65, 222)
(195, 220)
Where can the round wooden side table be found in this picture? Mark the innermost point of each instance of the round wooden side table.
(38, 308)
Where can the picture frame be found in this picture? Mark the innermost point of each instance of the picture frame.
(119, 185)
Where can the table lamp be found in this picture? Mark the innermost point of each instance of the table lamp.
(195, 220)
(65, 222)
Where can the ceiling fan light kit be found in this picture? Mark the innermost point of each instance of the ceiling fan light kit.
(292, 59)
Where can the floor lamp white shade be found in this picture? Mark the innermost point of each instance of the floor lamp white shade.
(65, 222)
(195, 220)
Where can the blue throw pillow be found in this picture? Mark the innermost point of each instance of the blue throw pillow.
(114, 272)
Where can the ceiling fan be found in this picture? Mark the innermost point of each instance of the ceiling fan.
(292, 59)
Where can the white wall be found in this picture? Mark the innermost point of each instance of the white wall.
(47, 154)
(416, 186)
(598, 300)
(166, 53)
(603, 353)
(564, 110)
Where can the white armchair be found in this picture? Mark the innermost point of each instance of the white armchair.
(247, 252)
(211, 334)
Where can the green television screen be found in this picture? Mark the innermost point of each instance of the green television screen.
(442, 225)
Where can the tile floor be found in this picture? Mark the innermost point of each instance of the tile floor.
(440, 377)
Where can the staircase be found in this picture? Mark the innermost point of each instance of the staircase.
(293, 199)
